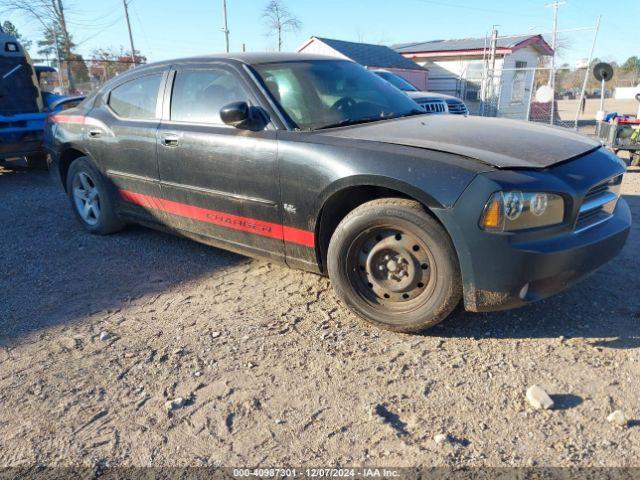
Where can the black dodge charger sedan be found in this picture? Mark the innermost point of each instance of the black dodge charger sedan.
(319, 164)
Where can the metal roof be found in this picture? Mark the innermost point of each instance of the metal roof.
(371, 55)
(511, 42)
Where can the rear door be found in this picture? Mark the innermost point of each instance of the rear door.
(121, 137)
(218, 181)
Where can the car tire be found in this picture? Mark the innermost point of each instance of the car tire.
(394, 265)
(37, 161)
(91, 198)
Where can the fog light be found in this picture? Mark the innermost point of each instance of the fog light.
(523, 291)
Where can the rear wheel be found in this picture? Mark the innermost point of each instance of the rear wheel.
(91, 198)
(394, 265)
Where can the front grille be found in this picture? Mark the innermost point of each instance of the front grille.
(434, 106)
(599, 203)
(457, 107)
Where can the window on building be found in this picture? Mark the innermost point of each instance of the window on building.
(136, 99)
(518, 85)
(198, 95)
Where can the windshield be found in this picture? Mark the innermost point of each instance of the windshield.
(397, 81)
(327, 93)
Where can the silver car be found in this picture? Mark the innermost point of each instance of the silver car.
(432, 102)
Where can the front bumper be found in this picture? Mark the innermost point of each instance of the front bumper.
(520, 273)
(507, 270)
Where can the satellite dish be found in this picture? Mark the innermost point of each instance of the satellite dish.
(603, 72)
(544, 94)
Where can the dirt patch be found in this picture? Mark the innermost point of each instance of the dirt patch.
(272, 370)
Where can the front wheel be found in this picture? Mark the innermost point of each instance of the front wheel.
(394, 265)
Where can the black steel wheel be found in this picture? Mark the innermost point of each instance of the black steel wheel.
(394, 265)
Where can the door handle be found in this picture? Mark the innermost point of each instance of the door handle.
(95, 133)
(170, 140)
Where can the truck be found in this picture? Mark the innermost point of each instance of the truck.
(24, 107)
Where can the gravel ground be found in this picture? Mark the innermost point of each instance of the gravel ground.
(97, 334)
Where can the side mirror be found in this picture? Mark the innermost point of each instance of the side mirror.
(242, 115)
(235, 114)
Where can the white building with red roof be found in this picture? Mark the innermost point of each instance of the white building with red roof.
(456, 68)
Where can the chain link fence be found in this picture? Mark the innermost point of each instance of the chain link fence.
(526, 94)
(79, 76)
(519, 84)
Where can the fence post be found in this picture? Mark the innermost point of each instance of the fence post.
(586, 74)
(533, 84)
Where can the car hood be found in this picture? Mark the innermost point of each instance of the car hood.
(498, 142)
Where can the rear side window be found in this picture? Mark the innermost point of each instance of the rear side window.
(136, 99)
(198, 95)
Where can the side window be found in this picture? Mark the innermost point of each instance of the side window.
(198, 95)
(136, 99)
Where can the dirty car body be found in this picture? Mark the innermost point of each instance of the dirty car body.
(279, 189)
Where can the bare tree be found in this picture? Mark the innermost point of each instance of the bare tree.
(279, 20)
(51, 15)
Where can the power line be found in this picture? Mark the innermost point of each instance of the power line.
(91, 37)
(467, 7)
(144, 32)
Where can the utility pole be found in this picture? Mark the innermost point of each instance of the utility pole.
(225, 29)
(126, 15)
(554, 42)
(55, 39)
(67, 41)
(491, 72)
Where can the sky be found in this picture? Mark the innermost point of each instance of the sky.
(165, 29)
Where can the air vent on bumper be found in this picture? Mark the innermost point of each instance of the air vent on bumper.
(599, 203)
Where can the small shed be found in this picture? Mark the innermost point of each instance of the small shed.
(370, 56)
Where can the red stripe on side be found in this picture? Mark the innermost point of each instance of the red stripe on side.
(235, 222)
(295, 235)
(60, 118)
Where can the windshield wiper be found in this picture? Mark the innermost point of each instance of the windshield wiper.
(350, 121)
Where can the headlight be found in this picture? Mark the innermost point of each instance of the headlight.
(508, 211)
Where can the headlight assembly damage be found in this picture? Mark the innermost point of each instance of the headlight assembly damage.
(509, 211)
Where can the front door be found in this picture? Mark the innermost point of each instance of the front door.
(216, 180)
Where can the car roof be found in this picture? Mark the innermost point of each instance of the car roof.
(250, 58)
(247, 58)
